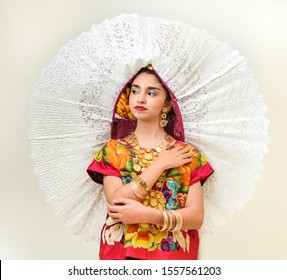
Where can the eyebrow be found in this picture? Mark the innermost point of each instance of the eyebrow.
(148, 88)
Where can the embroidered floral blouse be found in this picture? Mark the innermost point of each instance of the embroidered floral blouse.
(144, 241)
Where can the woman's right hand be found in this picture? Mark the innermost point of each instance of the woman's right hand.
(177, 156)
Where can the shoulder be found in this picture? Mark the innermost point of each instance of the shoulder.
(117, 146)
(184, 144)
(198, 159)
(113, 143)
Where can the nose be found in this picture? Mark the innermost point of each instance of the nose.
(141, 98)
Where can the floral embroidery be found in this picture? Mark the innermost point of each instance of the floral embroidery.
(99, 155)
(181, 200)
(140, 237)
(123, 108)
(175, 189)
(114, 233)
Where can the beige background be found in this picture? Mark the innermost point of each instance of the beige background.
(31, 33)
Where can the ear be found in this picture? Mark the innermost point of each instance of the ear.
(167, 107)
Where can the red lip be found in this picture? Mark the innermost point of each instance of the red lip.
(140, 108)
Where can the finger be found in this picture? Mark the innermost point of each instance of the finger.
(109, 207)
(114, 216)
(112, 209)
(186, 160)
(189, 154)
(177, 148)
(121, 201)
(187, 148)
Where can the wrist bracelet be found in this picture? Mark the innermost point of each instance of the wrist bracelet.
(142, 183)
(138, 191)
(172, 221)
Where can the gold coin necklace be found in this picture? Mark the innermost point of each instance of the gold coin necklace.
(143, 159)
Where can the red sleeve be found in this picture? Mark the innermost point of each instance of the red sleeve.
(101, 166)
(200, 169)
(201, 174)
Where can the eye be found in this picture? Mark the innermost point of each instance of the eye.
(151, 93)
(134, 91)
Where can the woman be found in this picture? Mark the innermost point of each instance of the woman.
(152, 180)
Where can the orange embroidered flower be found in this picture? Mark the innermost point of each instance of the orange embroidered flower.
(132, 228)
(117, 155)
(186, 170)
(185, 173)
(123, 108)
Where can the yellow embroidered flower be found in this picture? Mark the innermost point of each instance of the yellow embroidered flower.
(143, 239)
(99, 155)
(160, 236)
(123, 108)
(131, 231)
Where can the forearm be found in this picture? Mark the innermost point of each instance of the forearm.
(152, 173)
(117, 190)
(150, 176)
(192, 219)
(152, 216)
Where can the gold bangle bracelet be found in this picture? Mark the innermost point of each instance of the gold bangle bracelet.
(165, 221)
(142, 183)
(179, 221)
(172, 221)
(169, 220)
(138, 191)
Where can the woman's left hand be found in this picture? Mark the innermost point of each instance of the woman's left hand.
(127, 211)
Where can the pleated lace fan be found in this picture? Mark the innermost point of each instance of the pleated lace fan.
(73, 101)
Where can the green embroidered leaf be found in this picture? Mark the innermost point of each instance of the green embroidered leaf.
(183, 189)
(105, 153)
(173, 172)
(128, 243)
(172, 179)
(129, 166)
(153, 247)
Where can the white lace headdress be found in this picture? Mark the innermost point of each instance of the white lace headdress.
(223, 113)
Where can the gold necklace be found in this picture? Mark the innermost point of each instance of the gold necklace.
(144, 157)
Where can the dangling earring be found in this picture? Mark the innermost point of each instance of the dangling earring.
(163, 121)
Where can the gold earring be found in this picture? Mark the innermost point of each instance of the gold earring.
(163, 121)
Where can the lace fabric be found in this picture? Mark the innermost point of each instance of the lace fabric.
(222, 112)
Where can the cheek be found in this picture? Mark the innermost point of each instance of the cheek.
(158, 105)
(131, 99)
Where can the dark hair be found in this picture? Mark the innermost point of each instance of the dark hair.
(147, 70)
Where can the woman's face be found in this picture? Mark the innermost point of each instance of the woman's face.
(147, 98)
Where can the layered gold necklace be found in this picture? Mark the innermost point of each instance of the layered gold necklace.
(144, 157)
